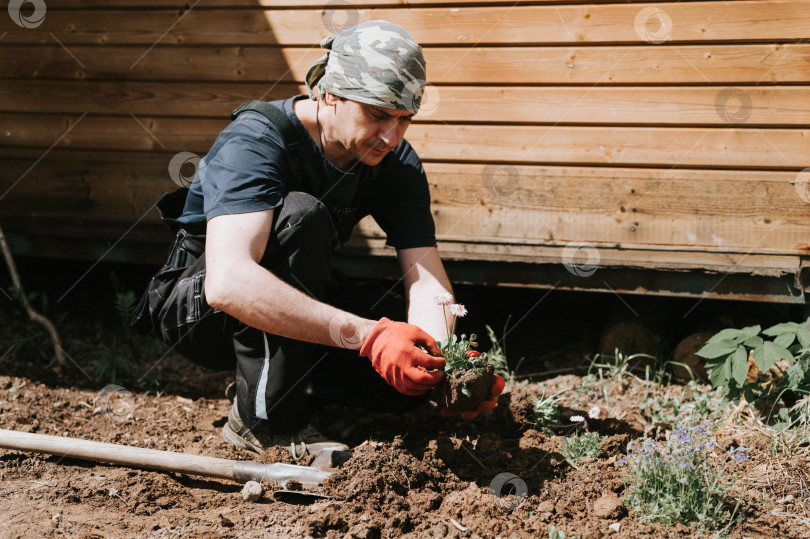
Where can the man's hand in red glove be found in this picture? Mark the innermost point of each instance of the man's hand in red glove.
(392, 349)
(497, 388)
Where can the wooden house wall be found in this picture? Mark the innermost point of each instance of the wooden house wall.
(663, 136)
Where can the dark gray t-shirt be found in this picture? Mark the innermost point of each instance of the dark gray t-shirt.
(247, 171)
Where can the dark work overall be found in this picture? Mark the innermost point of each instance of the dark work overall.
(279, 381)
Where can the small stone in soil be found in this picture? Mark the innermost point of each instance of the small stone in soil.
(608, 507)
(252, 491)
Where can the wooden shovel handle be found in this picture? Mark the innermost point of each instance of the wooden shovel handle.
(136, 457)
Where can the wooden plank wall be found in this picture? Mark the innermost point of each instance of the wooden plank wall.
(665, 135)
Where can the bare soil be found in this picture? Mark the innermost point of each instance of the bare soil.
(417, 475)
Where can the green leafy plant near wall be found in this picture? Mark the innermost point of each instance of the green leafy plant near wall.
(778, 372)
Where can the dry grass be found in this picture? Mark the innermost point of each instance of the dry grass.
(777, 475)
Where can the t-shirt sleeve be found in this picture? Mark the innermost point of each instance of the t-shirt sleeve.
(404, 213)
(245, 170)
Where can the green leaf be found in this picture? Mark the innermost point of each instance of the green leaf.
(718, 375)
(785, 339)
(778, 329)
(729, 334)
(779, 352)
(748, 332)
(739, 366)
(759, 358)
(753, 342)
(804, 336)
(466, 390)
(749, 394)
(794, 375)
(716, 349)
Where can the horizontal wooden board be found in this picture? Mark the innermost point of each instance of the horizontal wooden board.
(697, 105)
(766, 265)
(741, 20)
(94, 189)
(677, 64)
(511, 210)
(324, 4)
(667, 147)
(669, 209)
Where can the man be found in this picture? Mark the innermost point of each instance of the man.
(249, 280)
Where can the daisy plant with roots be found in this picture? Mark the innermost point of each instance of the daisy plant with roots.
(459, 352)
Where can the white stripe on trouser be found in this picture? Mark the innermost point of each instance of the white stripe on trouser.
(261, 402)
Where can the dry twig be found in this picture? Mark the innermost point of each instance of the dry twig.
(32, 314)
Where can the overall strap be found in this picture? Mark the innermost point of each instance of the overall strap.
(293, 150)
(280, 120)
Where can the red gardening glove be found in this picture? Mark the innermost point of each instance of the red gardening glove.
(392, 349)
(497, 388)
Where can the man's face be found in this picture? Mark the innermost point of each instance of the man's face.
(367, 132)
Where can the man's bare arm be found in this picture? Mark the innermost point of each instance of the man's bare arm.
(236, 284)
(425, 278)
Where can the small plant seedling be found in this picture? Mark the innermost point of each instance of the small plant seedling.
(581, 446)
(469, 376)
(554, 533)
(547, 411)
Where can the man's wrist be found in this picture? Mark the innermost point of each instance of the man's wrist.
(350, 331)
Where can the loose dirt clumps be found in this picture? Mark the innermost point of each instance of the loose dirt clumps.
(463, 391)
(415, 475)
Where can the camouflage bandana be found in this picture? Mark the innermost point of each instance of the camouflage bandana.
(375, 62)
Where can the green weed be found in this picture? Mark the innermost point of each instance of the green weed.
(547, 411)
(497, 354)
(581, 446)
(554, 533)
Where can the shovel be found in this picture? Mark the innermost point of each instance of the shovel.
(240, 471)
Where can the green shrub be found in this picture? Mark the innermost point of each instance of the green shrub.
(781, 355)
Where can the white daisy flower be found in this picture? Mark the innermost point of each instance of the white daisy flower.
(594, 412)
(457, 309)
(445, 298)
(577, 419)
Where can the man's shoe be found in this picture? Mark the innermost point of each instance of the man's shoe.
(307, 441)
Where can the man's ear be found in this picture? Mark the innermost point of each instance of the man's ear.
(331, 99)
